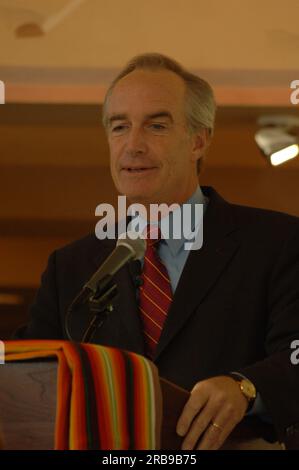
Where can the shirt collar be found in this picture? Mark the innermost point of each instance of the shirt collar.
(175, 244)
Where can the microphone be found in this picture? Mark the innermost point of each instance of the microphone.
(100, 289)
(128, 248)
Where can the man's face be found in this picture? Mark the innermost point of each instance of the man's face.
(152, 154)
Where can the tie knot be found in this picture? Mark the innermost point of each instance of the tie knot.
(152, 234)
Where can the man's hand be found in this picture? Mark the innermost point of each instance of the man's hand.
(214, 408)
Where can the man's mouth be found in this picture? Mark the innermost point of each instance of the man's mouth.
(138, 169)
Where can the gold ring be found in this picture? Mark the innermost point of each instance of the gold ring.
(217, 426)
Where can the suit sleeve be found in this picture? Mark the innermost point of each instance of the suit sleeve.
(275, 377)
(44, 314)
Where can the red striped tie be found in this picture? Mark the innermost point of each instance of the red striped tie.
(155, 292)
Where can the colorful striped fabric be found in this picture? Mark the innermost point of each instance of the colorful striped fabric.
(106, 398)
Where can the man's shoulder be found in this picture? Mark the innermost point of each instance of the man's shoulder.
(87, 246)
(253, 216)
(264, 219)
(268, 229)
(253, 222)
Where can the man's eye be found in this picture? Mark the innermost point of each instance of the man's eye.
(118, 128)
(158, 127)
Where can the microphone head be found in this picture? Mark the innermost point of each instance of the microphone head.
(132, 241)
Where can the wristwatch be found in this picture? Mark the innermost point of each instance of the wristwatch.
(247, 388)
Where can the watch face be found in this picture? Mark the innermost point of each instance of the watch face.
(248, 389)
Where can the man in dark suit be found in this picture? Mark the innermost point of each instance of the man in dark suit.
(235, 308)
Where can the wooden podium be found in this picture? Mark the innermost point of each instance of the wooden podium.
(28, 405)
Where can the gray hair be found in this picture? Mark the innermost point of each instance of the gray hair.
(200, 102)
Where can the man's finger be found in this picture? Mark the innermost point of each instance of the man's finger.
(193, 406)
(217, 432)
(198, 427)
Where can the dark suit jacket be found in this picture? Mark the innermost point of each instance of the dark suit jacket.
(236, 307)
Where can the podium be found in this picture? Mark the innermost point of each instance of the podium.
(28, 405)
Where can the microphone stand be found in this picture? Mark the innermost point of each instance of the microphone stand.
(99, 299)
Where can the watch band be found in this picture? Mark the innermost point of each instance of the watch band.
(246, 387)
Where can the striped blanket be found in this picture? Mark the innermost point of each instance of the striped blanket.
(106, 398)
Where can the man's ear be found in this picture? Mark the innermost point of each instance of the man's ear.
(201, 141)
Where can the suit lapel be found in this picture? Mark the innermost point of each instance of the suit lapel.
(127, 304)
(203, 267)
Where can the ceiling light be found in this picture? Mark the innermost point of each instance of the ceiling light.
(284, 155)
(275, 139)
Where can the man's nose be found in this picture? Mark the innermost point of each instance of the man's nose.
(136, 142)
